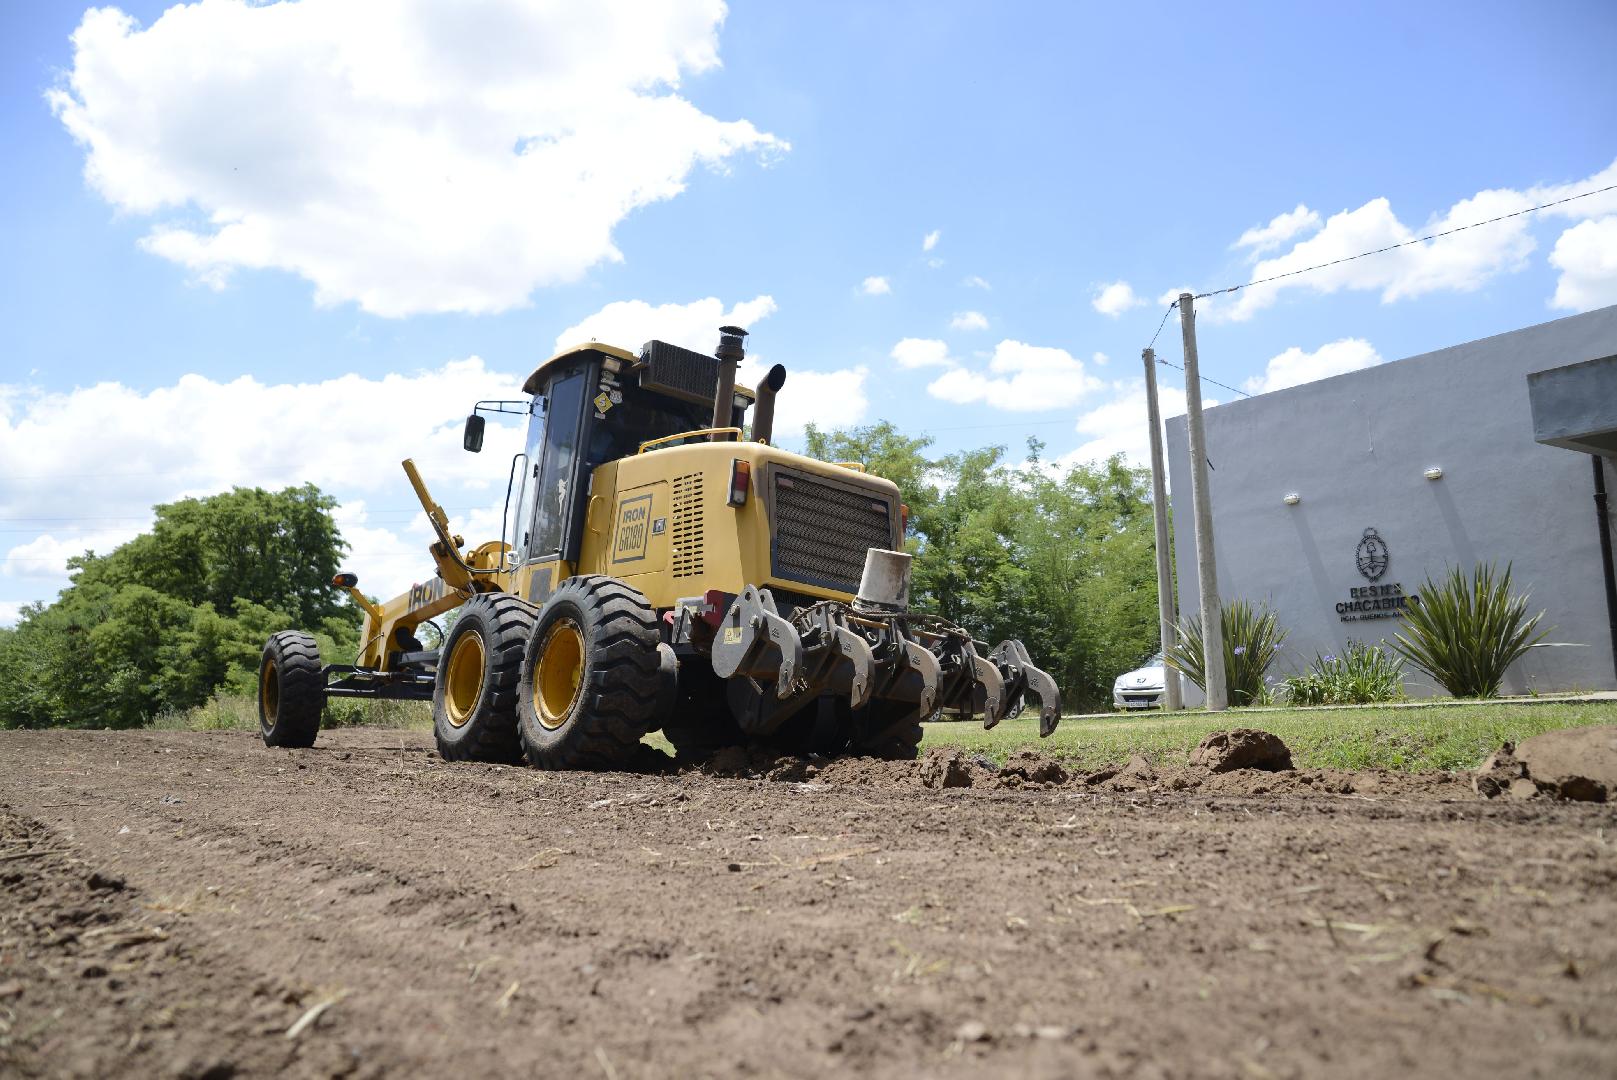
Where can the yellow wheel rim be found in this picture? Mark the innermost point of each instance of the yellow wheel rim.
(558, 674)
(269, 692)
(463, 684)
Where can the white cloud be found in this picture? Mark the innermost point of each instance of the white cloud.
(969, 320)
(930, 240)
(408, 156)
(1462, 262)
(828, 398)
(975, 282)
(922, 352)
(1586, 255)
(1295, 367)
(45, 556)
(1120, 425)
(1280, 229)
(90, 463)
(629, 324)
(936, 263)
(1020, 377)
(10, 611)
(1115, 298)
(875, 286)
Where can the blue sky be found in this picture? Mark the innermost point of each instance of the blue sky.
(230, 258)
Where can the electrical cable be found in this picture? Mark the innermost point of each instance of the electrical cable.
(1351, 258)
(1406, 243)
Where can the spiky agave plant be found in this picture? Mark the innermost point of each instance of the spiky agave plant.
(1467, 629)
(1252, 636)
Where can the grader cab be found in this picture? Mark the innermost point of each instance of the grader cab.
(660, 571)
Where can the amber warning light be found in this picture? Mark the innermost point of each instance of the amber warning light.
(740, 480)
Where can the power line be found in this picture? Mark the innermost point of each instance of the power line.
(1351, 258)
(1163, 323)
(1406, 243)
(1205, 379)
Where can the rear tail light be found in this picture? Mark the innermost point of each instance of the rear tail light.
(903, 521)
(740, 480)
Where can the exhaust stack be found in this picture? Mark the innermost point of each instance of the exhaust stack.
(731, 352)
(763, 411)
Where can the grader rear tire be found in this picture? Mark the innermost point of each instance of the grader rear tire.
(474, 703)
(590, 683)
(291, 691)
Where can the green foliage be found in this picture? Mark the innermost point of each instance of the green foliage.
(227, 711)
(1362, 675)
(1404, 738)
(1252, 636)
(1467, 630)
(1061, 558)
(166, 620)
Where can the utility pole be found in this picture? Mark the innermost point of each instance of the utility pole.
(1218, 690)
(1159, 509)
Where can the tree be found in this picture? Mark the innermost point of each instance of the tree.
(1061, 557)
(178, 613)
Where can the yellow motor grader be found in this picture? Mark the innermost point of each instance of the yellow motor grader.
(660, 571)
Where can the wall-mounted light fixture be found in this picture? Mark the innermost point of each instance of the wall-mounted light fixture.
(1434, 473)
(1292, 499)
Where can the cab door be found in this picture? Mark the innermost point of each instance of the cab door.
(557, 494)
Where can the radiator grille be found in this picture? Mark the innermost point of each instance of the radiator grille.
(681, 373)
(685, 528)
(822, 530)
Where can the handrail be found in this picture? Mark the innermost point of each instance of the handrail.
(856, 466)
(649, 443)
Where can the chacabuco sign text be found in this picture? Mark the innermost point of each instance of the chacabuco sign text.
(1375, 600)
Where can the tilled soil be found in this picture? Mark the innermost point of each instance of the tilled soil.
(195, 905)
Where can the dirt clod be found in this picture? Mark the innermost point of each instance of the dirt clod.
(1032, 767)
(1137, 775)
(1576, 763)
(1522, 788)
(1493, 777)
(107, 882)
(1242, 748)
(947, 768)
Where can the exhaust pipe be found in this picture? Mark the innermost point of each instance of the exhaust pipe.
(730, 353)
(763, 412)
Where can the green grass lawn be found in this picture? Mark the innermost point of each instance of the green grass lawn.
(1408, 740)
(1444, 736)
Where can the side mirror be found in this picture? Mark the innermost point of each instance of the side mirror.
(473, 438)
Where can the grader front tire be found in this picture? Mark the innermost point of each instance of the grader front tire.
(291, 691)
(474, 702)
(590, 681)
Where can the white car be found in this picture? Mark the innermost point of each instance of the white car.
(1141, 688)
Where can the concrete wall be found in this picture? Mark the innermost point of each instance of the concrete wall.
(1355, 448)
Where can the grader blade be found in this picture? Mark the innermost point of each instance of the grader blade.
(988, 690)
(1021, 676)
(755, 642)
(908, 672)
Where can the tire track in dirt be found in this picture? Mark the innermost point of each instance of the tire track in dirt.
(497, 919)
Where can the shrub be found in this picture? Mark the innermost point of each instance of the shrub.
(1363, 674)
(1467, 630)
(1252, 636)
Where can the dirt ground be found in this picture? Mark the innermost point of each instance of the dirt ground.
(195, 905)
